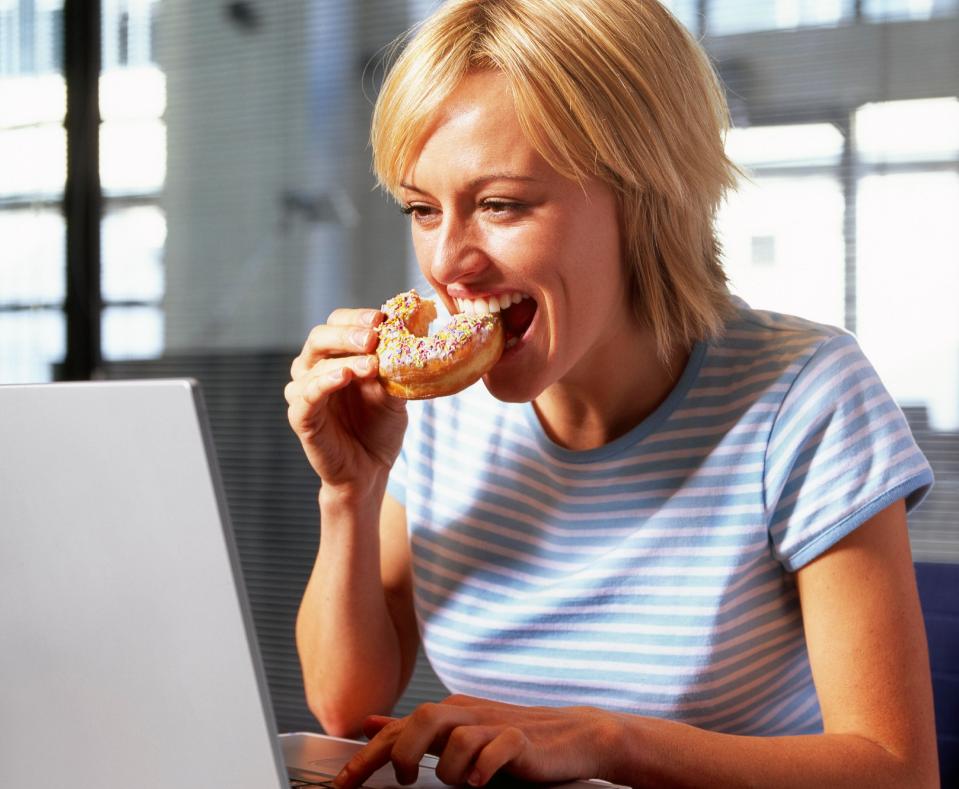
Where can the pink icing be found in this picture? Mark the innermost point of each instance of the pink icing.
(399, 348)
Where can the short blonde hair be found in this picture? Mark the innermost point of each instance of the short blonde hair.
(612, 89)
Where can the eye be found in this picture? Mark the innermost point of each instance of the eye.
(419, 211)
(500, 207)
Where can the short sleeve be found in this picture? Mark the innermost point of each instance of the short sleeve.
(839, 452)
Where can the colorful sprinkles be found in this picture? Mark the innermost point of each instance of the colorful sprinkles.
(400, 348)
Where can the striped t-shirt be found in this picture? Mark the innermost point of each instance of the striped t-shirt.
(652, 575)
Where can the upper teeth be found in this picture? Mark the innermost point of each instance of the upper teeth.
(489, 304)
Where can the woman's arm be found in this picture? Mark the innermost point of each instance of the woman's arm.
(356, 632)
(868, 654)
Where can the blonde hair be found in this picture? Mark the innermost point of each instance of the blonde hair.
(612, 89)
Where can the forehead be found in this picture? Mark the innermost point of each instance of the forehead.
(476, 130)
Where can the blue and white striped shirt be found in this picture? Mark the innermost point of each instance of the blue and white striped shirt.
(652, 575)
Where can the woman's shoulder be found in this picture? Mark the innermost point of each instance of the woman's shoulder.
(784, 327)
(755, 337)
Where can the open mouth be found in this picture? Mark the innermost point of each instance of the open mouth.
(516, 309)
(517, 319)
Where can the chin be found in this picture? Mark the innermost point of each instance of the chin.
(509, 388)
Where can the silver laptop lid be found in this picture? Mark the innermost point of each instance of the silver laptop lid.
(126, 659)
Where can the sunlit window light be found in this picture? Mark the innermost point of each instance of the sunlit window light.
(132, 156)
(907, 9)
(31, 342)
(727, 18)
(132, 94)
(33, 161)
(917, 130)
(783, 245)
(908, 279)
(32, 261)
(132, 246)
(783, 146)
(31, 100)
(132, 333)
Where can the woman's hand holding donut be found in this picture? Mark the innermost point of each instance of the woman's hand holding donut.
(351, 430)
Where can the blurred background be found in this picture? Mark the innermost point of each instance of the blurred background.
(185, 189)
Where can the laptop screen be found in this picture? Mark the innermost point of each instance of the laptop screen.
(127, 650)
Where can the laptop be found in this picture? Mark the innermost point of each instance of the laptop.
(128, 654)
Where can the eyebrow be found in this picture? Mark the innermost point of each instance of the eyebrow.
(483, 180)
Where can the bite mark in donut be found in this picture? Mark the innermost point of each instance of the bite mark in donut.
(417, 366)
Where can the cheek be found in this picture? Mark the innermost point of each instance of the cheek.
(593, 252)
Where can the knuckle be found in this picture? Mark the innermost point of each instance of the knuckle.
(392, 729)
(462, 737)
(426, 713)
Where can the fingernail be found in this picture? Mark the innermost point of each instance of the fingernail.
(360, 338)
(475, 778)
(364, 365)
(369, 317)
(337, 375)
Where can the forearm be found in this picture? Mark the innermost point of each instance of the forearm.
(658, 753)
(348, 643)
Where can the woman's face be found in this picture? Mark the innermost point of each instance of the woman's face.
(493, 224)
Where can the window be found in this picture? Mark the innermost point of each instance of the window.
(908, 9)
(32, 177)
(133, 167)
(726, 17)
(907, 241)
(783, 242)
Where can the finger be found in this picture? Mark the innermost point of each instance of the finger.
(426, 730)
(374, 724)
(366, 761)
(462, 700)
(306, 396)
(334, 374)
(345, 316)
(326, 340)
(507, 746)
(462, 747)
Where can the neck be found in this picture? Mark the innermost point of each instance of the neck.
(588, 410)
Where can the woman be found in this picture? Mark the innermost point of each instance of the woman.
(666, 544)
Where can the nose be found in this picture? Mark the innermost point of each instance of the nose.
(457, 252)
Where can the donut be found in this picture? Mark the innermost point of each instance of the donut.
(417, 366)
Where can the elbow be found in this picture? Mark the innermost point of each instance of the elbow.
(335, 719)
